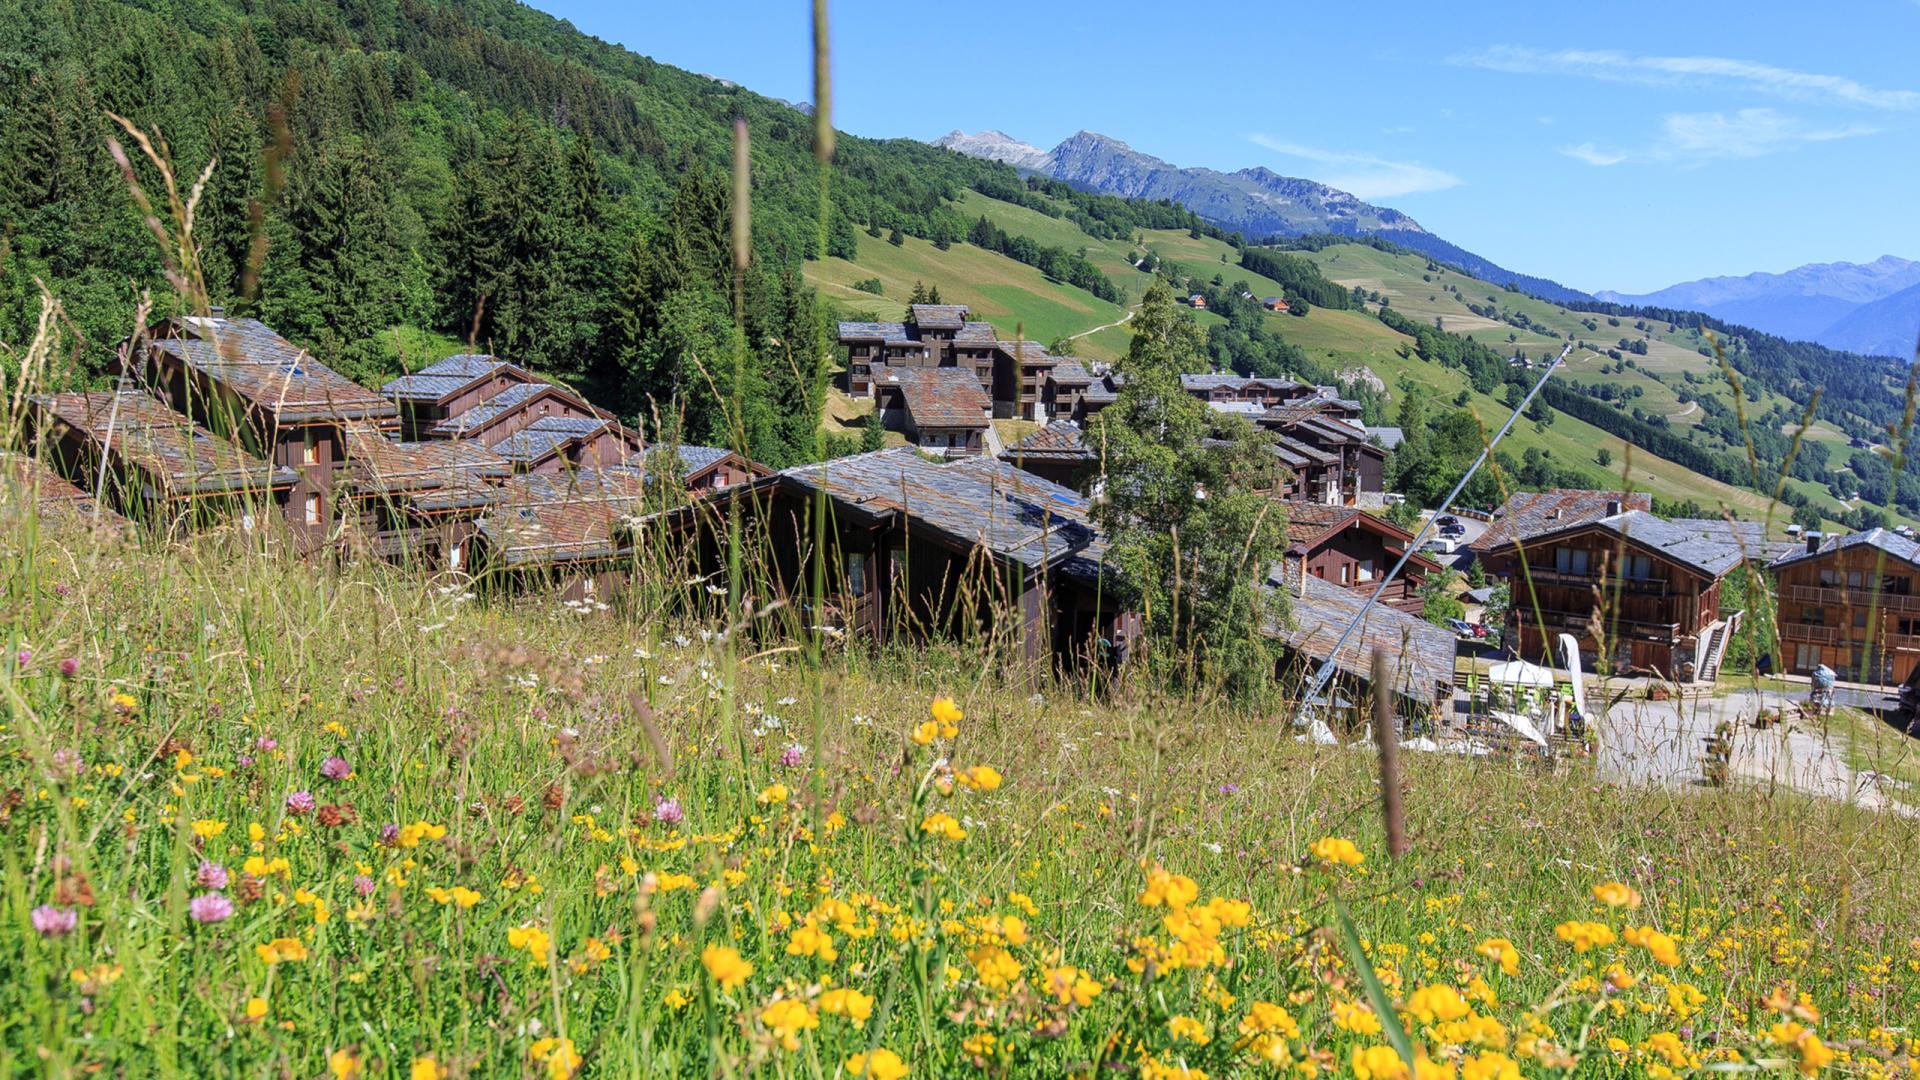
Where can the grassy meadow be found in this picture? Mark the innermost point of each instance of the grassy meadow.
(271, 818)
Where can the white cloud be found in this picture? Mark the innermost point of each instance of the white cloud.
(1696, 138)
(1363, 175)
(1614, 66)
(1593, 155)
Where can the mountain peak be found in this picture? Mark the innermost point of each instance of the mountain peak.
(995, 146)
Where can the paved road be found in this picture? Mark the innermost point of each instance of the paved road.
(1460, 558)
(1661, 743)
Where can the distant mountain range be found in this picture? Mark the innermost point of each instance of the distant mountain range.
(1871, 308)
(1256, 202)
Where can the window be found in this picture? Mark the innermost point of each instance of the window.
(1806, 657)
(856, 573)
(1855, 579)
(1366, 570)
(1813, 616)
(1859, 620)
(1570, 560)
(1829, 578)
(455, 556)
(313, 508)
(1639, 567)
(309, 448)
(1345, 570)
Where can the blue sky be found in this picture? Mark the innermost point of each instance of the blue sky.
(1623, 146)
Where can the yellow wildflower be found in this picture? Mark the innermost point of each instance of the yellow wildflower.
(1616, 894)
(882, 1064)
(787, 1018)
(725, 965)
(1336, 851)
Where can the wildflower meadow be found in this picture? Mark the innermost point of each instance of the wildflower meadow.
(267, 818)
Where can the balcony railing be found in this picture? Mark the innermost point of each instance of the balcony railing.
(1862, 598)
(1606, 583)
(1582, 620)
(1810, 633)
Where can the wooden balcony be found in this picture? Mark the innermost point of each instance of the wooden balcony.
(1810, 633)
(1863, 599)
(1580, 621)
(1606, 583)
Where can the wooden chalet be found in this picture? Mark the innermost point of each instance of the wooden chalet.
(707, 469)
(942, 410)
(239, 379)
(1352, 549)
(417, 502)
(542, 427)
(1020, 374)
(446, 388)
(1850, 602)
(919, 547)
(1220, 388)
(160, 467)
(558, 532)
(1527, 514)
(1654, 586)
(1421, 653)
(1063, 395)
(1274, 303)
(933, 335)
(1058, 453)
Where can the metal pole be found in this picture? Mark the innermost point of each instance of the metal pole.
(1325, 674)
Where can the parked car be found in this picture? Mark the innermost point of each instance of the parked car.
(1455, 529)
(1461, 628)
(1445, 520)
(1442, 545)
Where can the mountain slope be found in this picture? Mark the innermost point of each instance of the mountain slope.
(1257, 202)
(1800, 304)
(1886, 327)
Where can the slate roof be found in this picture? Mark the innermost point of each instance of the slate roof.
(1061, 440)
(561, 517)
(1307, 522)
(183, 457)
(977, 502)
(1749, 536)
(1247, 409)
(1527, 514)
(491, 409)
(268, 371)
(1389, 437)
(1421, 654)
(541, 438)
(1705, 555)
(1895, 545)
(1027, 352)
(975, 333)
(1311, 454)
(437, 380)
(378, 463)
(939, 397)
(890, 332)
(53, 494)
(939, 316)
(1071, 371)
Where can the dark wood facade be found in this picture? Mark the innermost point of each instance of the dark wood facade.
(1657, 611)
(1853, 607)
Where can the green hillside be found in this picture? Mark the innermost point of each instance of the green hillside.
(1354, 345)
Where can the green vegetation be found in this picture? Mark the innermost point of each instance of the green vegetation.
(611, 843)
(1189, 526)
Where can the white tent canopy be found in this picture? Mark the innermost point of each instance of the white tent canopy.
(1521, 673)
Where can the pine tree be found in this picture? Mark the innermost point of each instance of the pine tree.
(1189, 511)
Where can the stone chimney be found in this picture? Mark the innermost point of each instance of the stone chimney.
(1613, 507)
(1813, 541)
